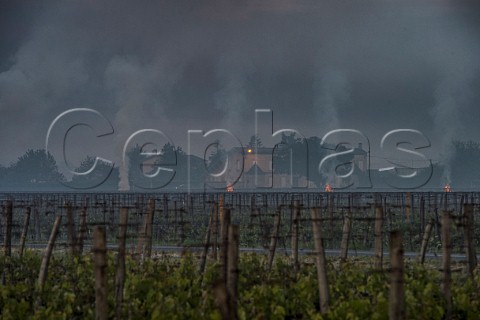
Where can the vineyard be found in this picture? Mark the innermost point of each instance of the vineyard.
(240, 256)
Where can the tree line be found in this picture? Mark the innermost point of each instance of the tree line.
(38, 169)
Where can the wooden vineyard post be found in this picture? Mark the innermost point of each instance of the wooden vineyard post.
(8, 233)
(182, 226)
(408, 207)
(100, 260)
(225, 222)
(8, 239)
(175, 220)
(149, 228)
(446, 252)
(378, 232)
(220, 222)
(295, 228)
(437, 225)
(273, 240)
(232, 269)
(409, 203)
(111, 217)
(36, 219)
(426, 238)
(83, 230)
(347, 225)
(72, 245)
(120, 273)
(203, 259)
(225, 290)
(422, 213)
(469, 237)
(142, 235)
(25, 230)
(42, 275)
(215, 231)
(397, 294)
(320, 261)
(331, 205)
(221, 301)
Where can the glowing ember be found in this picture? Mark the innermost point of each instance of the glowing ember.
(447, 188)
(328, 188)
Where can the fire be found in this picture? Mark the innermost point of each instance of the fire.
(328, 188)
(249, 150)
(447, 188)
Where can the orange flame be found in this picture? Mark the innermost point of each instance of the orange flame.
(328, 188)
(447, 188)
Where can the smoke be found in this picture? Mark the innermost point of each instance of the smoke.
(180, 65)
(141, 95)
(231, 99)
(453, 94)
(129, 85)
(331, 95)
(447, 118)
(118, 64)
(38, 83)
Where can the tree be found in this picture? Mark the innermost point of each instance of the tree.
(170, 154)
(137, 168)
(142, 165)
(102, 178)
(3, 176)
(463, 168)
(315, 154)
(3, 172)
(34, 169)
(255, 142)
(217, 158)
(290, 149)
(185, 177)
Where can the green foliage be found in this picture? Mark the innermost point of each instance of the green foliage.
(170, 287)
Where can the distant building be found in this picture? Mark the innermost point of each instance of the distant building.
(254, 169)
(360, 158)
(360, 162)
(251, 168)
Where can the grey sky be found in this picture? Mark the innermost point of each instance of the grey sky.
(176, 65)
